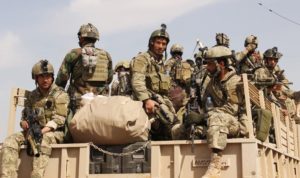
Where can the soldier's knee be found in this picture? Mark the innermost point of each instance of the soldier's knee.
(217, 136)
(11, 142)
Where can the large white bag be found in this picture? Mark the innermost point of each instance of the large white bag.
(110, 120)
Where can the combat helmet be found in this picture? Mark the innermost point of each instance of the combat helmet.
(159, 33)
(222, 39)
(272, 53)
(251, 40)
(176, 49)
(125, 64)
(217, 52)
(42, 67)
(88, 31)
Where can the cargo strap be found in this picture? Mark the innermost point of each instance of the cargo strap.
(120, 154)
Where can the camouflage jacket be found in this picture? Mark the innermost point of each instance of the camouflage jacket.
(170, 65)
(180, 72)
(148, 74)
(272, 76)
(226, 94)
(52, 107)
(72, 68)
(246, 63)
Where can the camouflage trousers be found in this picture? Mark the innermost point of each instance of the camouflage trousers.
(10, 154)
(220, 126)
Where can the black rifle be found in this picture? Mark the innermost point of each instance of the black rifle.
(34, 134)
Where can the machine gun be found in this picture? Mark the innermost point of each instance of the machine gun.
(34, 134)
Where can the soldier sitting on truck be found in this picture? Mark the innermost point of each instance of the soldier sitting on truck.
(151, 85)
(88, 70)
(224, 93)
(272, 78)
(42, 122)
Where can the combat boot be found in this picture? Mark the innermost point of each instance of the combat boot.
(214, 168)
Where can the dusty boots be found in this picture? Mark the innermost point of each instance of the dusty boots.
(214, 168)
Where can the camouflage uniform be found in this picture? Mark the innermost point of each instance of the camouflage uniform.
(88, 68)
(73, 69)
(249, 59)
(148, 78)
(52, 116)
(226, 96)
(122, 86)
(277, 87)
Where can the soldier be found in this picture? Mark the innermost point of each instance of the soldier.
(88, 68)
(249, 59)
(222, 39)
(226, 98)
(179, 70)
(51, 102)
(122, 85)
(151, 84)
(273, 79)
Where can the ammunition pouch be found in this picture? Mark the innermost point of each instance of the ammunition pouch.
(183, 72)
(159, 83)
(263, 124)
(95, 65)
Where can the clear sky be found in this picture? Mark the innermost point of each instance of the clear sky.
(32, 30)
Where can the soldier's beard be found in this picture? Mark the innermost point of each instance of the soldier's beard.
(214, 73)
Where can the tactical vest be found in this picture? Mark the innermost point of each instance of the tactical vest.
(183, 72)
(46, 107)
(95, 65)
(156, 78)
(222, 94)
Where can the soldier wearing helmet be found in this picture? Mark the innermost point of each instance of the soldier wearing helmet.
(50, 105)
(176, 52)
(272, 78)
(88, 69)
(225, 95)
(222, 40)
(249, 59)
(180, 71)
(122, 85)
(151, 84)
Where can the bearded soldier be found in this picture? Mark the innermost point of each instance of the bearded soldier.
(150, 84)
(88, 68)
(225, 94)
(50, 104)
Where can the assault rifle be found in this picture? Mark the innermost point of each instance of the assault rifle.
(34, 134)
(161, 111)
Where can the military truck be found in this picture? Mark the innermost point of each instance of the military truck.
(243, 157)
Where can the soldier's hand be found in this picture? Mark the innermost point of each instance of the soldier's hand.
(251, 47)
(24, 125)
(149, 106)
